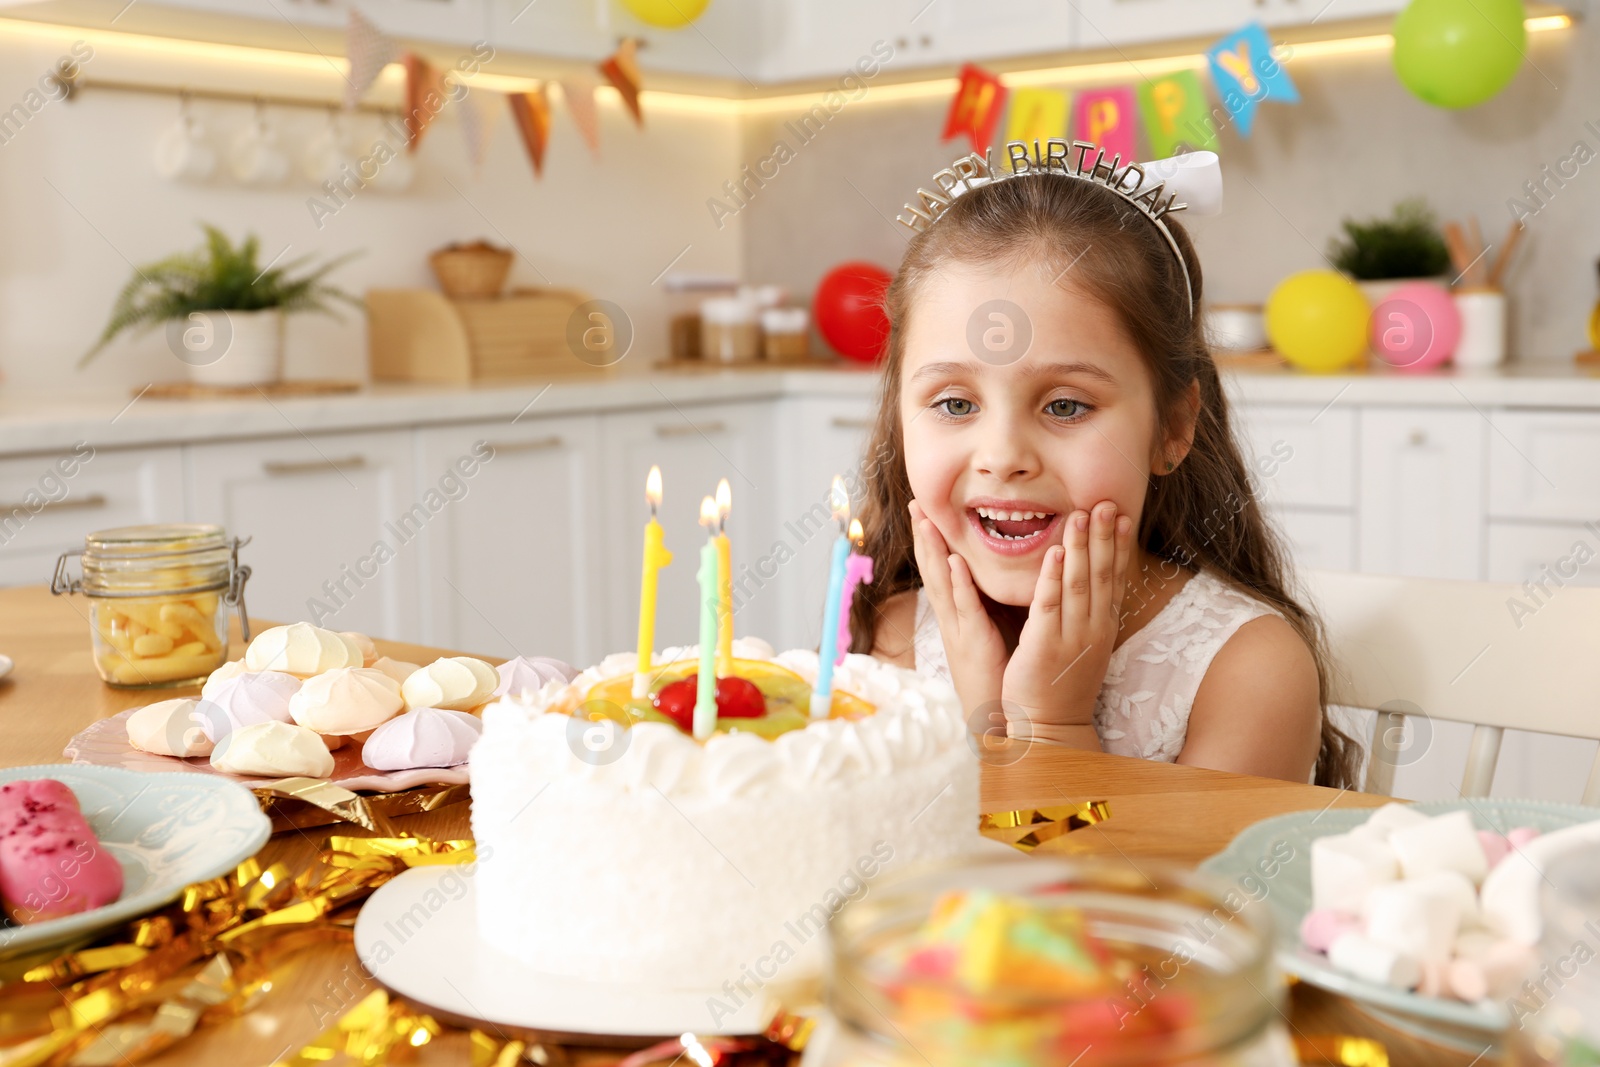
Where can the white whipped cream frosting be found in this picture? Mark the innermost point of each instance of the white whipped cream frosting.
(303, 649)
(455, 683)
(917, 720)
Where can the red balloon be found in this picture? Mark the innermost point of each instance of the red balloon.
(849, 310)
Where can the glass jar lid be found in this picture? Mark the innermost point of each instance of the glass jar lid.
(165, 558)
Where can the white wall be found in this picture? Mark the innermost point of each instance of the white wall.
(80, 202)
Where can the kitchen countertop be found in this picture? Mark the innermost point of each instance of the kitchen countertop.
(50, 423)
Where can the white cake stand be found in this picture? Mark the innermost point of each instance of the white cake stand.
(423, 943)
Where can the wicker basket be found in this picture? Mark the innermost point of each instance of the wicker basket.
(471, 272)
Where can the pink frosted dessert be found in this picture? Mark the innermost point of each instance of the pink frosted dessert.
(51, 864)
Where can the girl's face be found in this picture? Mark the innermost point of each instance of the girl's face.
(1006, 434)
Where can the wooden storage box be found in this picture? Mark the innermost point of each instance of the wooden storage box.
(419, 335)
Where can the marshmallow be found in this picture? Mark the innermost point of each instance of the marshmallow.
(302, 649)
(530, 673)
(363, 643)
(1417, 918)
(1434, 981)
(170, 728)
(1321, 928)
(1444, 843)
(1473, 944)
(1521, 837)
(1393, 816)
(1357, 955)
(227, 671)
(250, 698)
(273, 749)
(1510, 897)
(455, 683)
(1344, 869)
(346, 700)
(1495, 847)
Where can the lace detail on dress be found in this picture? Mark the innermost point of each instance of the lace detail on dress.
(1151, 681)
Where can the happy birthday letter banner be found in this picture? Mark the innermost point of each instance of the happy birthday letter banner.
(1175, 115)
(426, 93)
(1109, 117)
(1245, 73)
(368, 50)
(578, 92)
(980, 99)
(1037, 115)
(621, 69)
(532, 114)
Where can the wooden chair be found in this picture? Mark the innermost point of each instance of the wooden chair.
(1462, 652)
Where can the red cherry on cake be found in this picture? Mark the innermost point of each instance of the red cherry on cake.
(737, 698)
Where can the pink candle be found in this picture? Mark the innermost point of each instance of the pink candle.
(857, 569)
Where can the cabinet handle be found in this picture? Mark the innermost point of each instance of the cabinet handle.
(538, 444)
(93, 500)
(689, 429)
(277, 468)
(840, 422)
(1417, 438)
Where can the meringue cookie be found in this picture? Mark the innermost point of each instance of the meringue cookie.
(171, 728)
(425, 737)
(528, 674)
(273, 749)
(398, 669)
(252, 697)
(228, 671)
(369, 651)
(455, 683)
(301, 648)
(346, 700)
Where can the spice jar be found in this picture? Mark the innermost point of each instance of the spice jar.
(729, 332)
(684, 294)
(1052, 961)
(158, 600)
(784, 334)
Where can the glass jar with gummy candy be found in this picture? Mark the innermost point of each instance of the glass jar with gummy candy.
(1054, 961)
(158, 601)
(1555, 1015)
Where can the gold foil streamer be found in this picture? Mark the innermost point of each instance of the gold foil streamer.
(335, 800)
(1342, 1050)
(288, 813)
(1046, 824)
(791, 1031)
(207, 956)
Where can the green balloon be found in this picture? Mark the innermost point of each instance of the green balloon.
(1458, 53)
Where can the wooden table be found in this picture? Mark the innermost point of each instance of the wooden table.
(1159, 811)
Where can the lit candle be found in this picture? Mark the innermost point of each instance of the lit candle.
(822, 695)
(725, 585)
(656, 556)
(705, 704)
(857, 569)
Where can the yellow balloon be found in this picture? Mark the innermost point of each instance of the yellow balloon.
(669, 14)
(1318, 320)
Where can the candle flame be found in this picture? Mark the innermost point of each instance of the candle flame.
(652, 488)
(858, 536)
(724, 499)
(708, 512)
(839, 500)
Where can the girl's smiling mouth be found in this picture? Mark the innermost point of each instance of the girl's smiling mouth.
(1013, 527)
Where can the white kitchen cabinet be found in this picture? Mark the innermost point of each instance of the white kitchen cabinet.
(50, 500)
(1109, 23)
(826, 38)
(512, 567)
(1325, 540)
(334, 520)
(955, 31)
(1300, 455)
(1545, 465)
(1544, 551)
(821, 436)
(460, 22)
(1422, 492)
(695, 445)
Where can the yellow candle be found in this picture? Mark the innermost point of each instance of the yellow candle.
(656, 556)
(725, 582)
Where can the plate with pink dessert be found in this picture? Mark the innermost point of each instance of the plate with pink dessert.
(112, 845)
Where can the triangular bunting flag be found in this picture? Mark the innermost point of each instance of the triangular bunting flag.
(579, 95)
(1176, 118)
(532, 114)
(976, 109)
(1107, 118)
(425, 96)
(368, 50)
(1246, 73)
(479, 111)
(622, 71)
(1037, 115)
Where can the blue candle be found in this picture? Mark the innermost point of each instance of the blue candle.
(705, 704)
(822, 695)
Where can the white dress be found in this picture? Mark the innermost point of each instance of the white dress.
(1144, 703)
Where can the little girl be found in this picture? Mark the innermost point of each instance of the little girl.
(1062, 523)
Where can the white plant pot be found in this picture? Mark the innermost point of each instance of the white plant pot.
(233, 347)
(1378, 291)
(1483, 327)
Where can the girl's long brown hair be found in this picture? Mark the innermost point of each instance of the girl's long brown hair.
(1204, 513)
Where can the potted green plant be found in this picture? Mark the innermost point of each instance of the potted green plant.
(223, 313)
(1380, 254)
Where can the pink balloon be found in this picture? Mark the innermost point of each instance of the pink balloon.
(1416, 327)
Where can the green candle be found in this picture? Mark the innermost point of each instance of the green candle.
(705, 705)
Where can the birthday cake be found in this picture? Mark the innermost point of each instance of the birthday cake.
(616, 847)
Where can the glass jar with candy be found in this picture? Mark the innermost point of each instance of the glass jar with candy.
(158, 600)
(1052, 961)
(1555, 1014)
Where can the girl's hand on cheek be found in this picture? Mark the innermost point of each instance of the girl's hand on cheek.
(1060, 663)
(973, 645)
